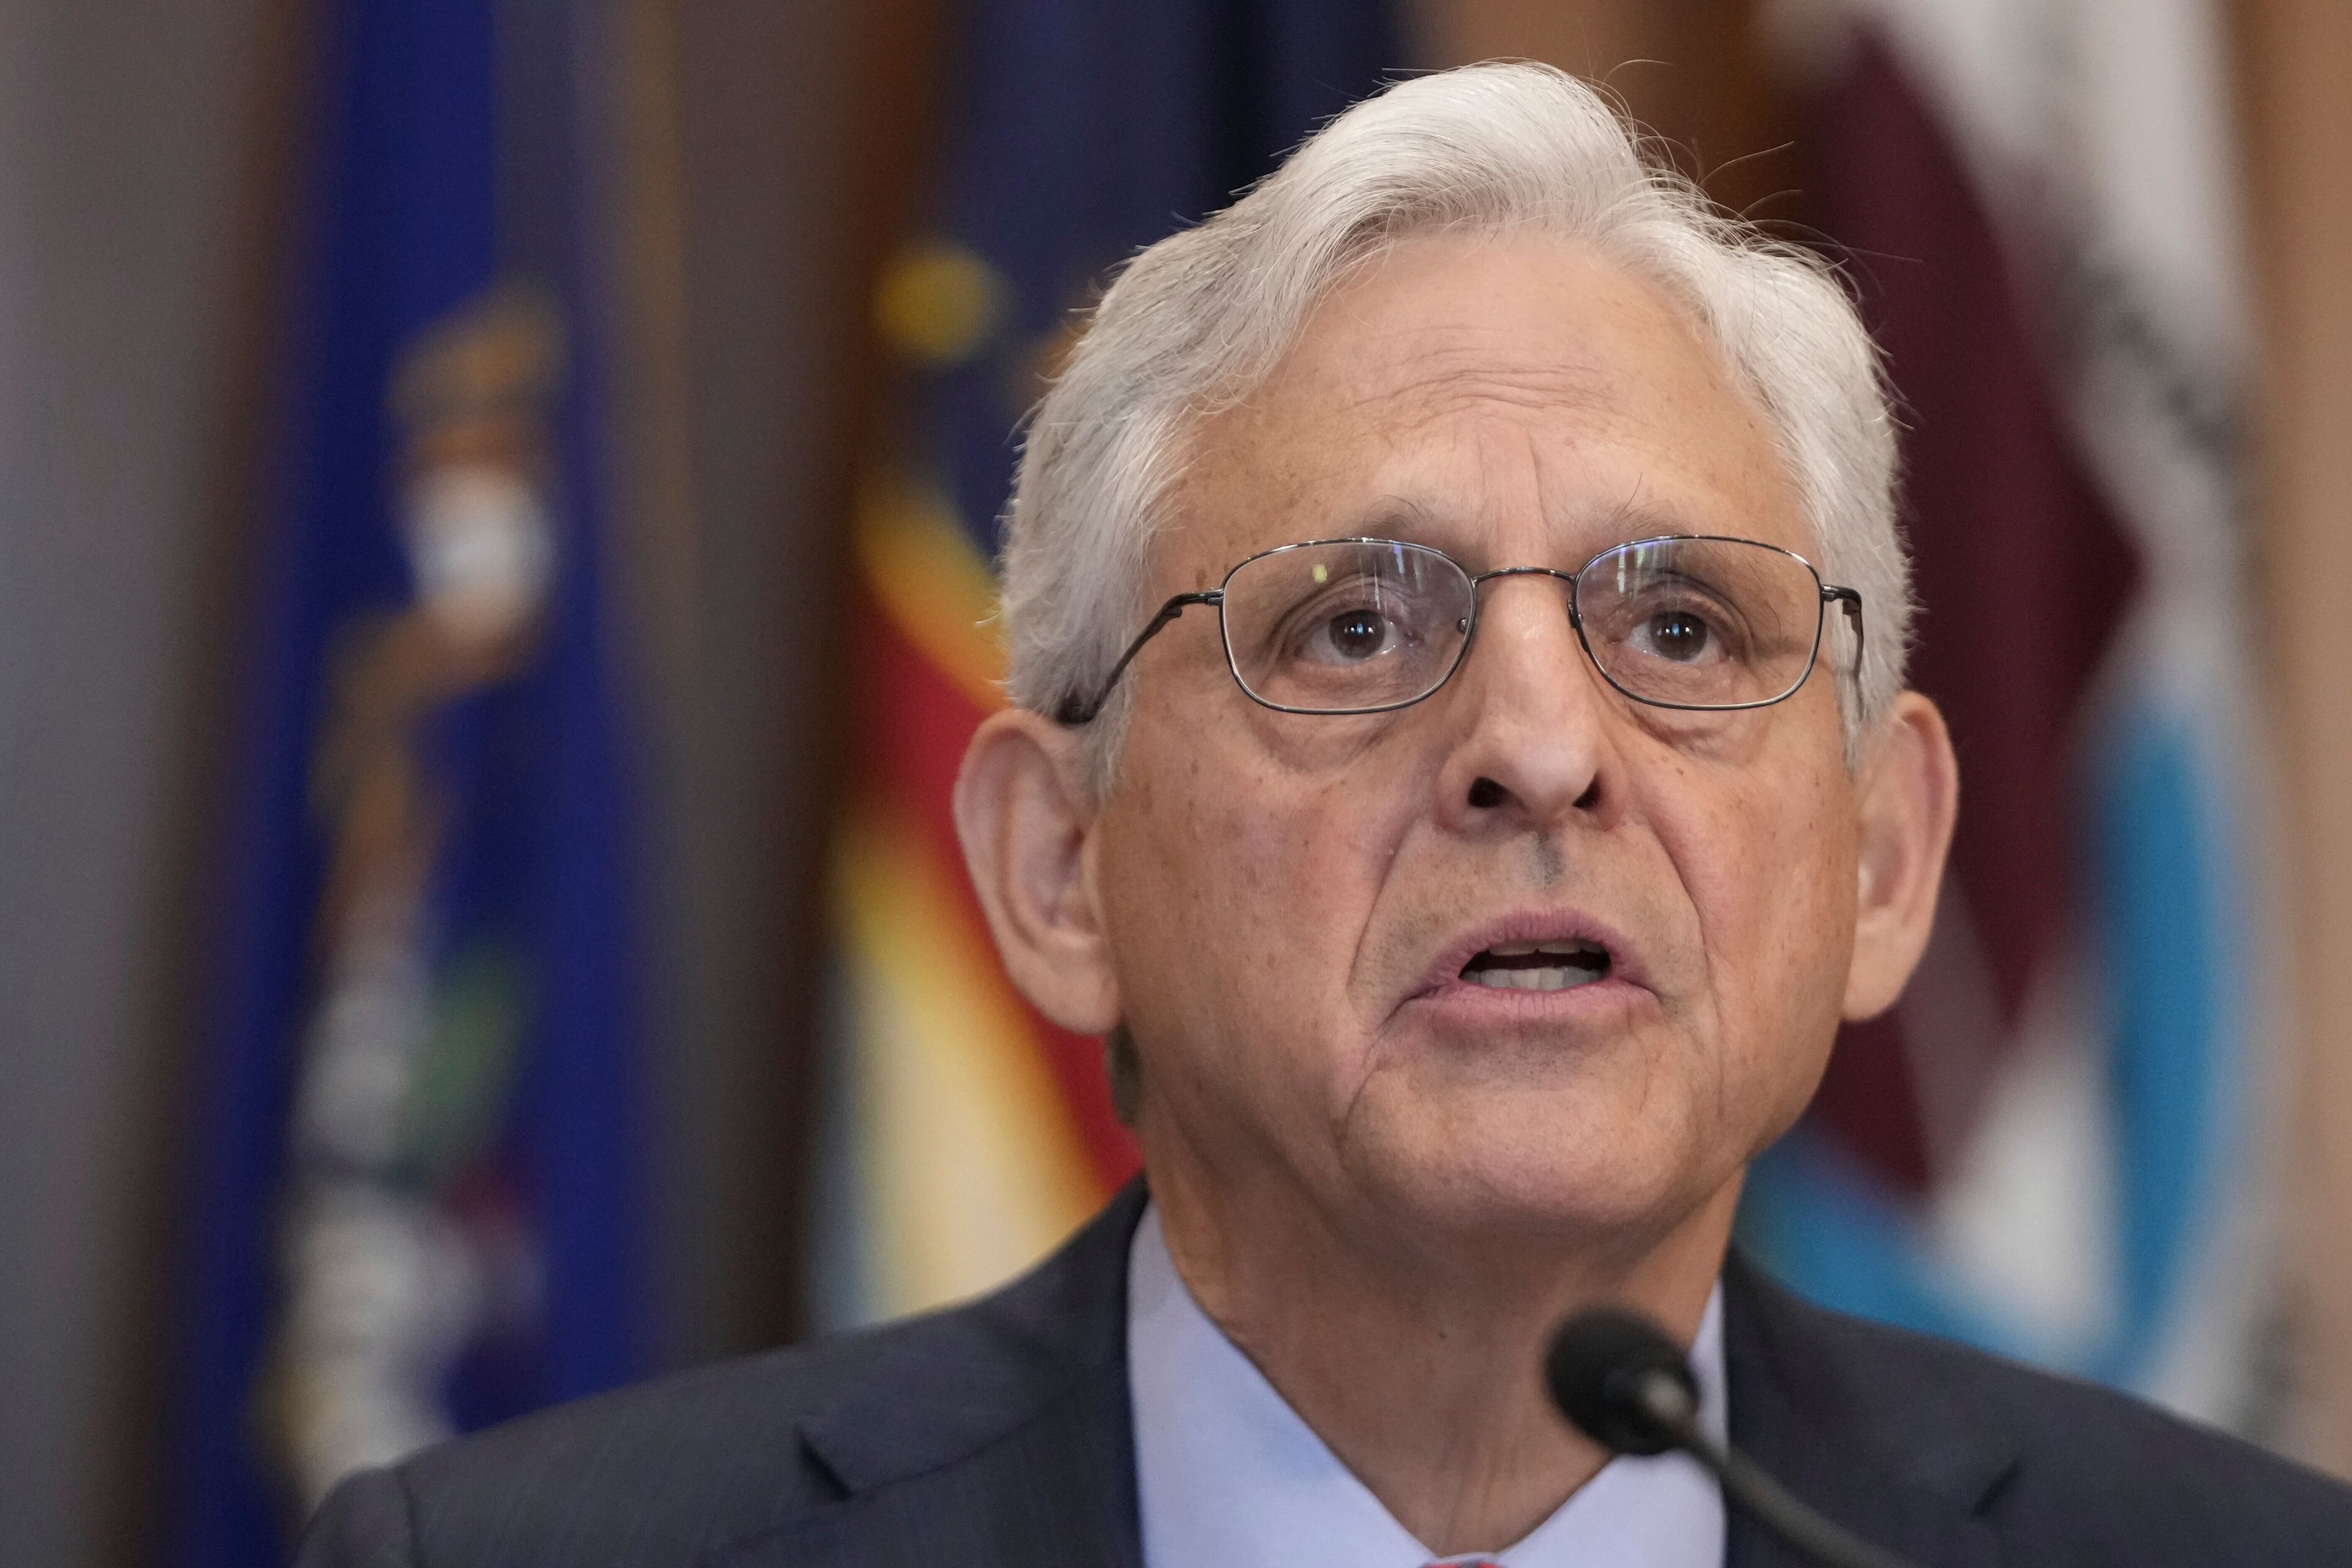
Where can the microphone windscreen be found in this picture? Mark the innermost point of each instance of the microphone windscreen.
(1595, 1370)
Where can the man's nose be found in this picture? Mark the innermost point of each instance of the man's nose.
(1529, 746)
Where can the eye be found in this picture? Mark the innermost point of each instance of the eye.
(1353, 617)
(1356, 634)
(1680, 635)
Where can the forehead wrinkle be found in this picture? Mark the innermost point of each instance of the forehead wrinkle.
(1457, 378)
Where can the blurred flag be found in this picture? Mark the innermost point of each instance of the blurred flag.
(2052, 1146)
(417, 1205)
(965, 1135)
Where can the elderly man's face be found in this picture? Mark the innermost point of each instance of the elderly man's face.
(1289, 902)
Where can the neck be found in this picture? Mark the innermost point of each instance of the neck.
(1417, 1365)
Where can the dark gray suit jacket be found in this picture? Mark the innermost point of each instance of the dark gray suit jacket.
(999, 1433)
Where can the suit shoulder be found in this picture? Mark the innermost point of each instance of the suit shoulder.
(663, 1470)
(653, 1472)
(2109, 1477)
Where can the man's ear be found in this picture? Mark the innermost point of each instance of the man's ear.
(1908, 794)
(1024, 819)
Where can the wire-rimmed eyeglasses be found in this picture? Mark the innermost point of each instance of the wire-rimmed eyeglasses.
(1365, 626)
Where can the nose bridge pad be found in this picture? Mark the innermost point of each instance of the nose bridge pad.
(1565, 582)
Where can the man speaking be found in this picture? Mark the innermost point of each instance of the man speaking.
(1459, 759)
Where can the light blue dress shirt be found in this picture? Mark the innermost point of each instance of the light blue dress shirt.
(1228, 1475)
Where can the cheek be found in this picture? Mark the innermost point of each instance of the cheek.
(1238, 892)
(1291, 871)
(1771, 874)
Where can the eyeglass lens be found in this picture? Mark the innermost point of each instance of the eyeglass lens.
(1352, 625)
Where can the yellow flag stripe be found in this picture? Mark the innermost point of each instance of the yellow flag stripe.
(931, 582)
(973, 1166)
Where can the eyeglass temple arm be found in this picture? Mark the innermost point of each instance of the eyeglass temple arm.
(1850, 599)
(1077, 711)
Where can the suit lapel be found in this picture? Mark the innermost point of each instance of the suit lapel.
(1863, 1444)
(1059, 1489)
(1003, 1436)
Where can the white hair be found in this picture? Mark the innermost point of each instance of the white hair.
(1194, 322)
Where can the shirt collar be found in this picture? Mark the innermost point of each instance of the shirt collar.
(1227, 1474)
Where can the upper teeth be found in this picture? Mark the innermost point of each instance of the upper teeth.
(1549, 978)
(1583, 962)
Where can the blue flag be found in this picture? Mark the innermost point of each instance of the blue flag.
(417, 1203)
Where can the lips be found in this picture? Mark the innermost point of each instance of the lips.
(1534, 958)
(1556, 965)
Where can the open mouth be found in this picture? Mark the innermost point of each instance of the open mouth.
(1537, 965)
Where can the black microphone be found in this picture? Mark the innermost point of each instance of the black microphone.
(1626, 1387)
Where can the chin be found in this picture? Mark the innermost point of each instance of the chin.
(1525, 1168)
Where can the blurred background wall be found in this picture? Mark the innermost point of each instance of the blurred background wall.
(761, 175)
(125, 220)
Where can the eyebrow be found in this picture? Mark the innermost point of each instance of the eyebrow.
(1637, 518)
(1395, 517)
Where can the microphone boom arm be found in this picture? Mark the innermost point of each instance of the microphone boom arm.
(1781, 1511)
(1668, 1404)
(1623, 1383)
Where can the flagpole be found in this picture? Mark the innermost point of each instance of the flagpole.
(2294, 57)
